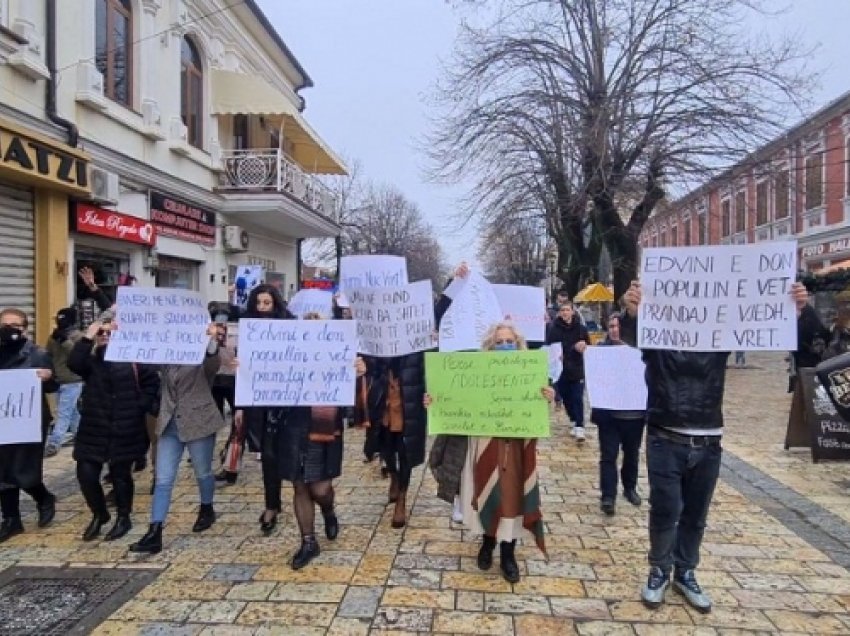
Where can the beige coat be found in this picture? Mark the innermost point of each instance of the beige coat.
(186, 397)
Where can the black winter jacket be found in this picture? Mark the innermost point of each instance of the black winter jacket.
(568, 335)
(115, 400)
(812, 338)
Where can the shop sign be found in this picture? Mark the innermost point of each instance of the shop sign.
(38, 160)
(91, 219)
(182, 220)
(318, 283)
(826, 249)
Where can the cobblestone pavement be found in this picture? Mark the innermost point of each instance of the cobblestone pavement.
(774, 554)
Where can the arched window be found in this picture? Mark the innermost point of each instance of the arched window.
(192, 93)
(114, 48)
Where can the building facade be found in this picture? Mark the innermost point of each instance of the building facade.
(796, 187)
(189, 153)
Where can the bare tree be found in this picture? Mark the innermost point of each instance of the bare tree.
(513, 250)
(593, 109)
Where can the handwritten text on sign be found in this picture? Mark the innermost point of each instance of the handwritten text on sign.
(474, 309)
(159, 326)
(20, 407)
(719, 298)
(296, 363)
(604, 370)
(394, 321)
(487, 393)
(372, 271)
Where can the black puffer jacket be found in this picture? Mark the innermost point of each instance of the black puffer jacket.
(568, 335)
(685, 387)
(115, 399)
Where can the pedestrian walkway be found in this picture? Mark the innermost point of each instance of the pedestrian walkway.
(765, 571)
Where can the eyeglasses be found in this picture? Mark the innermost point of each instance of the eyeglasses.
(504, 342)
(103, 332)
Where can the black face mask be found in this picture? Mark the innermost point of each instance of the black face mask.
(11, 336)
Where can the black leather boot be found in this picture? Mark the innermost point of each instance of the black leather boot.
(98, 520)
(122, 526)
(151, 543)
(124, 503)
(308, 551)
(510, 569)
(485, 554)
(331, 525)
(10, 527)
(206, 517)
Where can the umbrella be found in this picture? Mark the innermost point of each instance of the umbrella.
(594, 293)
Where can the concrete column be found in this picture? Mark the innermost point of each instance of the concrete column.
(52, 267)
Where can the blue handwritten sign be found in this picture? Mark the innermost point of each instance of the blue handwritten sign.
(159, 326)
(296, 363)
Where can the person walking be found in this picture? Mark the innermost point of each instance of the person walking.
(59, 346)
(116, 399)
(224, 393)
(21, 465)
(568, 331)
(188, 419)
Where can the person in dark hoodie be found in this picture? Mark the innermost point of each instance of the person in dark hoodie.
(568, 331)
(59, 347)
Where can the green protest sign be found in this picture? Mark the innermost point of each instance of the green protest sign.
(488, 393)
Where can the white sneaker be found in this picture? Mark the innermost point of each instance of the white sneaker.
(573, 431)
(578, 432)
(457, 511)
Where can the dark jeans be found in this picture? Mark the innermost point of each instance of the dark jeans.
(88, 475)
(10, 499)
(614, 434)
(394, 454)
(572, 393)
(681, 483)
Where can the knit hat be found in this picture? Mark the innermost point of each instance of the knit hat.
(68, 316)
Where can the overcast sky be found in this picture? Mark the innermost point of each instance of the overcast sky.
(374, 62)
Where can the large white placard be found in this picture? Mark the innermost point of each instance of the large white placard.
(474, 309)
(307, 301)
(394, 321)
(614, 376)
(372, 271)
(20, 407)
(525, 307)
(296, 363)
(159, 326)
(719, 298)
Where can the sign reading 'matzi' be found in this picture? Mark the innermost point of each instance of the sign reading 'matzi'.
(35, 159)
(182, 220)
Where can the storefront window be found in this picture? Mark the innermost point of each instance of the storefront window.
(177, 273)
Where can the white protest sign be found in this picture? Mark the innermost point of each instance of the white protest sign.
(525, 307)
(473, 311)
(719, 298)
(394, 321)
(372, 271)
(20, 407)
(556, 363)
(614, 376)
(312, 301)
(296, 363)
(247, 277)
(159, 326)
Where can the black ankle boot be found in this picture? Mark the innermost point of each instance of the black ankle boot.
(10, 527)
(206, 517)
(151, 542)
(98, 520)
(510, 569)
(308, 551)
(485, 554)
(331, 525)
(122, 526)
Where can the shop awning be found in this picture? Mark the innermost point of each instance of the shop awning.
(241, 94)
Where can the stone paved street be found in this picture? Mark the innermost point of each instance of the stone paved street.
(774, 555)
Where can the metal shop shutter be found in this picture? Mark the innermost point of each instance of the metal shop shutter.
(17, 249)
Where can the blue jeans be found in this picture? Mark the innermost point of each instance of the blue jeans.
(169, 452)
(572, 393)
(613, 434)
(681, 484)
(67, 415)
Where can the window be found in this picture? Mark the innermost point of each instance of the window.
(762, 203)
(741, 211)
(114, 48)
(781, 194)
(726, 217)
(686, 230)
(240, 132)
(702, 229)
(814, 181)
(191, 93)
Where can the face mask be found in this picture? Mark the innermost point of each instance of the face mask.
(505, 346)
(10, 336)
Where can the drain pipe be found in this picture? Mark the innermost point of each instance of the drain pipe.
(50, 98)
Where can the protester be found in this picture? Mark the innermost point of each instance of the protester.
(618, 429)
(224, 393)
(446, 460)
(839, 342)
(116, 399)
(59, 346)
(568, 331)
(685, 424)
(90, 289)
(21, 464)
(188, 418)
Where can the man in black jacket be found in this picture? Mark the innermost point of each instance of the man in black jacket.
(568, 331)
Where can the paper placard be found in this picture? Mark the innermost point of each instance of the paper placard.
(159, 326)
(473, 311)
(394, 321)
(296, 363)
(615, 378)
(372, 271)
(556, 362)
(719, 298)
(247, 278)
(307, 301)
(525, 307)
(20, 407)
(487, 393)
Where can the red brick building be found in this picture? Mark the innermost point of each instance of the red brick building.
(797, 186)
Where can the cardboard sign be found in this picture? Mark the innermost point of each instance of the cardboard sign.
(614, 376)
(296, 363)
(719, 298)
(394, 321)
(312, 301)
(487, 393)
(525, 307)
(247, 278)
(20, 407)
(814, 422)
(372, 271)
(555, 352)
(159, 326)
(474, 309)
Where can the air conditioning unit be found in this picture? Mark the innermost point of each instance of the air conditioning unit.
(105, 186)
(90, 85)
(235, 239)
